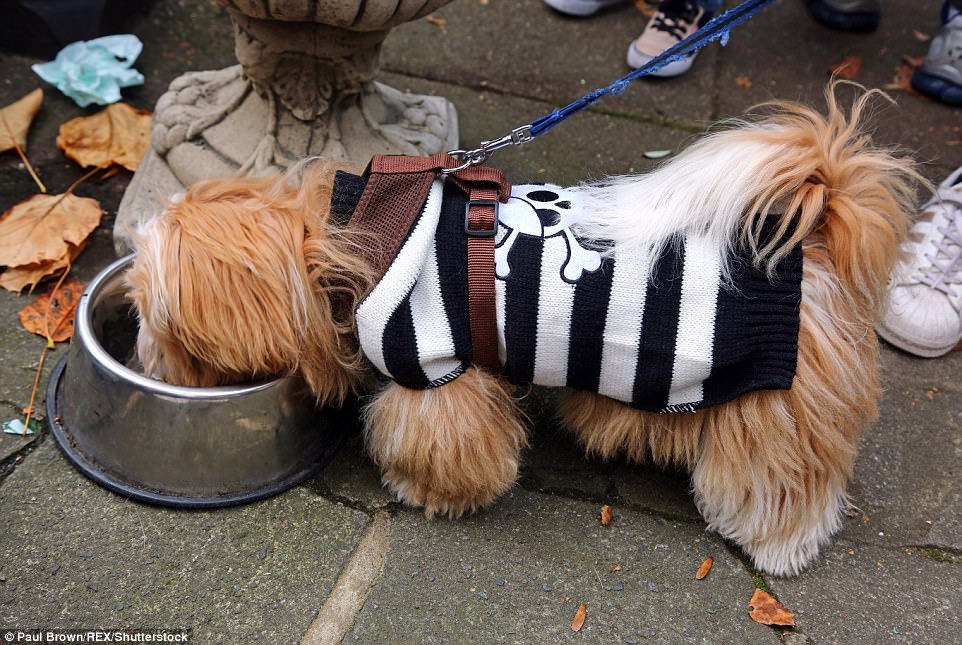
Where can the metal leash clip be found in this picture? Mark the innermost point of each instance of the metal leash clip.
(476, 157)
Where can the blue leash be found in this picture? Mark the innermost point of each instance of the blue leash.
(717, 28)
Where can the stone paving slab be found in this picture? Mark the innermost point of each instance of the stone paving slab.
(589, 146)
(517, 573)
(75, 556)
(860, 593)
(784, 54)
(526, 49)
(907, 474)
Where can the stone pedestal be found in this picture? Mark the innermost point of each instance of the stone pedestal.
(304, 87)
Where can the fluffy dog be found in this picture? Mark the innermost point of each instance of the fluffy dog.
(252, 278)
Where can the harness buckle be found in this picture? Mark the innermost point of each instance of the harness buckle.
(480, 232)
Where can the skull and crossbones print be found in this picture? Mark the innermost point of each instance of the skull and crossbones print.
(543, 211)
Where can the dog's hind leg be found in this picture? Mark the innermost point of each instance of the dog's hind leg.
(451, 449)
(773, 482)
(608, 429)
(775, 465)
(769, 470)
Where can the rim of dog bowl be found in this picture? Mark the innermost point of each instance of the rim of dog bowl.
(64, 439)
(83, 329)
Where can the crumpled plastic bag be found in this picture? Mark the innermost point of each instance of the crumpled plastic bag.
(16, 426)
(93, 71)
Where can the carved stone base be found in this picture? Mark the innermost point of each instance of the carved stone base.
(213, 124)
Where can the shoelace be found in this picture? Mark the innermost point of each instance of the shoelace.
(676, 24)
(945, 258)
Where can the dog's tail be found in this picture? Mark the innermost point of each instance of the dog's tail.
(768, 182)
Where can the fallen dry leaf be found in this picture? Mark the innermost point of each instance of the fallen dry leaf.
(118, 134)
(43, 227)
(606, 515)
(848, 68)
(766, 610)
(53, 317)
(615, 568)
(743, 82)
(579, 620)
(647, 9)
(434, 20)
(18, 278)
(15, 120)
(903, 75)
(704, 568)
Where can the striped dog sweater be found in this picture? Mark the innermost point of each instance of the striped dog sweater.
(660, 333)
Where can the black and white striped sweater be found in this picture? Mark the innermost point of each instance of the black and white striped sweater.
(570, 316)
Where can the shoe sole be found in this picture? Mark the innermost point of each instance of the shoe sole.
(936, 87)
(580, 8)
(912, 348)
(863, 21)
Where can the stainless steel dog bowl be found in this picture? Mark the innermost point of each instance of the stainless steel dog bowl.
(172, 445)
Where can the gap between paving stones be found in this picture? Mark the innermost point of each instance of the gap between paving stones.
(337, 615)
(8, 465)
(692, 128)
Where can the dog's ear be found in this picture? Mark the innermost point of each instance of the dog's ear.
(338, 276)
(238, 282)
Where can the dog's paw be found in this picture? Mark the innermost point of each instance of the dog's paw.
(788, 546)
(783, 559)
(412, 492)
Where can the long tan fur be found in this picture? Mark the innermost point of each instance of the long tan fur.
(770, 469)
(247, 278)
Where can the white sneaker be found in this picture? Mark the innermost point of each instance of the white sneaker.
(581, 8)
(924, 315)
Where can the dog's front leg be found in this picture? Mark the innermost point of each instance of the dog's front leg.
(449, 449)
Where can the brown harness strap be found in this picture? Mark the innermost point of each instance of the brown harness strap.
(396, 190)
(481, 226)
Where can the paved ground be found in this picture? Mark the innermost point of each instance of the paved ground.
(336, 557)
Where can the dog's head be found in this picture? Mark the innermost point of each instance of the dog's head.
(245, 279)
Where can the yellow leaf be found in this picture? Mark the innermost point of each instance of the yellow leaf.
(766, 610)
(43, 227)
(52, 314)
(15, 120)
(118, 134)
(579, 620)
